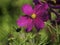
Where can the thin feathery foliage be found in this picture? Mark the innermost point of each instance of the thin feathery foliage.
(9, 13)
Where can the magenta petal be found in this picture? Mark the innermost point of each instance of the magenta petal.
(29, 28)
(24, 21)
(40, 8)
(39, 24)
(27, 9)
(44, 16)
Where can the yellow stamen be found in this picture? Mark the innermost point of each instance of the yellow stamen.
(33, 16)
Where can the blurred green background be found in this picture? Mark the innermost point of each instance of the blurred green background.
(10, 10)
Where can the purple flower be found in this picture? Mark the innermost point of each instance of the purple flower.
(36, 2)
(33, 17)
(52, 6)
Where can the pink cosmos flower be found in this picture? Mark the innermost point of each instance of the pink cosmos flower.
(33, 17)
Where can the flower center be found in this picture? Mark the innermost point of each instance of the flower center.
(33, 15)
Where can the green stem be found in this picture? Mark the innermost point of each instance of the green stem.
(57, 32)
